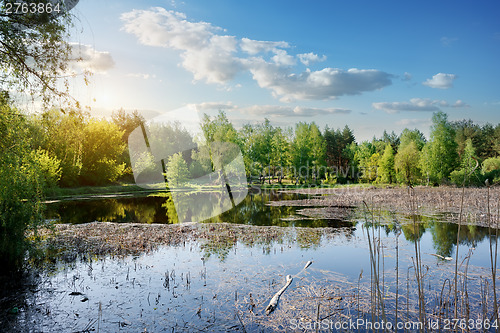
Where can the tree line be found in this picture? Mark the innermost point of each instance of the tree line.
(457, 152)
(75, 149)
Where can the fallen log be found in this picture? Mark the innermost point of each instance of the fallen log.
(274, 301)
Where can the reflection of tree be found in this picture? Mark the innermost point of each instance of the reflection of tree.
(139, 210)
(413, 232)
(444, 236)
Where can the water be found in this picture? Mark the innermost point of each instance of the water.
(208, 286)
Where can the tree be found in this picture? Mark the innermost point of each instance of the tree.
(279, 152)
(127, 122)
(308, 150)
(386, 172)
(177, 170)
(362, 157)
(337, 157)
(469, 171)
(102, 147)
(414, 135)
(406, 163)
(20, 191)
(48, 167)
(62, 135)
(34, 53)
(491, 169)
(441, 158)
(393, 139)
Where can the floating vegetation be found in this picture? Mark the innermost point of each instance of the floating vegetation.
(429, 201)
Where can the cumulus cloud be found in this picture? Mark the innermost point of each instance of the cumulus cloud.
(441, 81)
(288, 111)
(328, 83)
(309, 58)
(253, 47)
(217, 58)
(416, 104)
(205, 54)
(85, 57)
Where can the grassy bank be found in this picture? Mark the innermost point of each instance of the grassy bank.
(85, 191)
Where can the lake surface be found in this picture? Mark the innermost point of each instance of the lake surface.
(200, 286)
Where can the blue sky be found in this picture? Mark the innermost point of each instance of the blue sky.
(374, 66)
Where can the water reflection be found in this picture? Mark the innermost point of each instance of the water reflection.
(160, 208)
(254, 210)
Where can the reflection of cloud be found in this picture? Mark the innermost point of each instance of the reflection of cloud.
(441, 81)
(416, 104)
(298, 111)
(87, 58)
(217, 58)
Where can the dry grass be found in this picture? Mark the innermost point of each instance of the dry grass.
(429, 200)
(106, 238)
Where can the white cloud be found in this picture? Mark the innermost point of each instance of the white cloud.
(142, 76)
(460, 104)
(205, 54)
(87, 58)
(441, 81)
(309, 58)
(214, 106)
(283, 58)
(253, 47)
(413, 122)
(218, 58)
(328, 83)
(288, 111)
(448, 41)
(416, 104)
(407, 76)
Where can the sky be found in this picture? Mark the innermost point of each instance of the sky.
(371, 65)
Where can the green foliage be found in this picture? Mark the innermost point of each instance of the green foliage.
(308, 150)
(34, 54)
(280, 149)
(49, 167)
(491, 164)
(127, 122)
(406, 163)
(20, 192)
(440, 157)
(408, 136)
(101, 148)
(177, 170)
(362, 157)
(491, 169)
(62, 135)
(339, 157)
(386, 172)
(469, 172)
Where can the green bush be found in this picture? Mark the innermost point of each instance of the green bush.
(49, 167)
(20, 188)
(491, 169)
